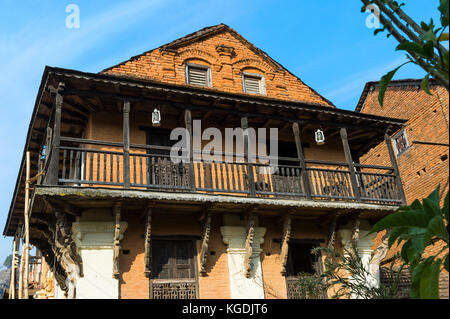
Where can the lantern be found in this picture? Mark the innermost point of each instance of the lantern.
(320, 137)
(156, 117)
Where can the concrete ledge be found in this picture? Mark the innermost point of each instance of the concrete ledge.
(111, 193)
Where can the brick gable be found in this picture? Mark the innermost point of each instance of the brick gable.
(228, 55)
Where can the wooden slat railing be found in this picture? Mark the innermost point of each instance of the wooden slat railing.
(99, 163)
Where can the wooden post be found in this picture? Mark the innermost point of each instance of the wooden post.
(351, 167)
(188, 122)
(22, 264)
(26, 214)
(14, 264)
(126, 144)
(301, 158)
(250, 177)
(53, 167)
(398, 181)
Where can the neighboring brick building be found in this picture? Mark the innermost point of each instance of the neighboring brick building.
(114, 217)
(422, 146)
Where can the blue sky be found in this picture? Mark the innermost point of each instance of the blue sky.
(326, 43)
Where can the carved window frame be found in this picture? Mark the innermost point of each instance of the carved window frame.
(399, 151)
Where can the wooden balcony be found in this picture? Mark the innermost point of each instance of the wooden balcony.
(88, 163)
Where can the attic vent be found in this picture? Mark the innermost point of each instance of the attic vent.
(198, 75)
(253, 83)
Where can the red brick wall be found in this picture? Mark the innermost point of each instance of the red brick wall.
(226, 70)
(423, 167)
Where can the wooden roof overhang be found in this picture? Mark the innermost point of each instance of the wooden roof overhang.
(86, 92)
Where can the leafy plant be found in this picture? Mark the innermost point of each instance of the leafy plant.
(345, 276)
(416, 227)
(422, 42)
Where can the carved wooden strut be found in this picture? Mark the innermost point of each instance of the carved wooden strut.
(116, 251)
(285, 243)
(205, 242)
(249, 246)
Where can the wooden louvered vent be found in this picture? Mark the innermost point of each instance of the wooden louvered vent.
(253, 84)
(197, 75)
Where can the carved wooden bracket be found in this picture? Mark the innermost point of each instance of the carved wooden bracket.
(287, 220)
(249, 245)
(355, 231)
(148, 239)
(205, 242)
(116, 251)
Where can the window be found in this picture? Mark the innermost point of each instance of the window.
(198, 75)
(400, 142)
(300, 258)
(253, 83)
(174, 274)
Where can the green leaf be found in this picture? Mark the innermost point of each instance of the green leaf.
(428, 36)
(443, 8)
(415, 48)
(446, 262)
(384, 83)
(396, 233)
(424, 84)
(411, 218)
(446, 207)
(436, 228)
(429, 282)
(443, 37)
(416, 275)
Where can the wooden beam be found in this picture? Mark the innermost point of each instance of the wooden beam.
(126, 144)
(58, 204)
(301, 158)
(351, 167)
(51, 177)
(250, 177)
(398, 181)
(287, 222)
(188, 123)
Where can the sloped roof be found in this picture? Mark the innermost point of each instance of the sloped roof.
(402, 82)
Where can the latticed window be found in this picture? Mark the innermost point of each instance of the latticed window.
(198, 75)
(253, 83)
(173, 269)
(400, 141)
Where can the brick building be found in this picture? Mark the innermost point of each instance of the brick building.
(421, 146)
(114, 217)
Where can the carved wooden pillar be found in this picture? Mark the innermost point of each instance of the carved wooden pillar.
(351, 167)
(301, 158)
(205, 243)
(116, 252)
(148, 240)
(287, 221)
(126, 144)
(250, 177)
(53, 167)
(398, 181)
(332, 232)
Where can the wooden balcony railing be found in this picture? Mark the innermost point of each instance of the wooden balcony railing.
(85, 163)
